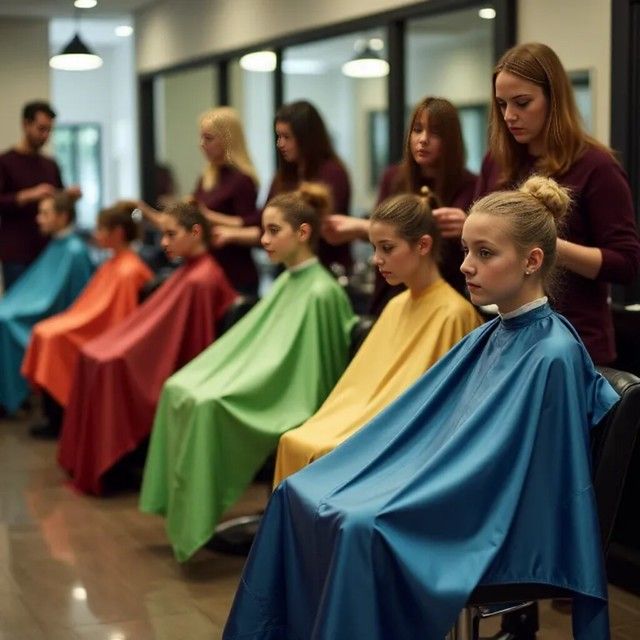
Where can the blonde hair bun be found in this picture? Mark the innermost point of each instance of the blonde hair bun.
(550, 194)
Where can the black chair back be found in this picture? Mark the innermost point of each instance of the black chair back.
(359, 333)
(612, 448)
(236, 310)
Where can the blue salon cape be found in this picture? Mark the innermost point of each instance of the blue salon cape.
(47, 287)
(478, 474)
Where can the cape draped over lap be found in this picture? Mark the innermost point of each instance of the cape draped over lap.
(48, 287)
(221, 416)
(409, 337)
(448, 488)
(119, 375)
(110, 296)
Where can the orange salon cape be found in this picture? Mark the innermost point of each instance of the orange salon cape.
(411, 335)
(111, 295)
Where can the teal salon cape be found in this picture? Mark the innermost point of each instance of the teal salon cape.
(478, 474)
(47, 287)
(221, 415)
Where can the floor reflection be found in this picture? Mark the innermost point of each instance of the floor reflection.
(74, 567)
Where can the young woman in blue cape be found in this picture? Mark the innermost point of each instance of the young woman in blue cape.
(478, 474)
(48, 286)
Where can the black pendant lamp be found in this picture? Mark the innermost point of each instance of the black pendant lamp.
(76, 56)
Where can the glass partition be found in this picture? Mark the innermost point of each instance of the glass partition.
(451, 56)
(179, 100)
(252, 95)
(354, 108)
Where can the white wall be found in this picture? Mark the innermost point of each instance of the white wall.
(24, 72)
(169, 32)
(459, 71)
(579, 31)
(105, 96)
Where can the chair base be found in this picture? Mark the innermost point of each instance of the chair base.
(235, 536)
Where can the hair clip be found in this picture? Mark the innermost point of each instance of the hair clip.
(137, 215)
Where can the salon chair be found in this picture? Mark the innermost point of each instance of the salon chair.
(160, 277)
(612, 446)
(235, 311)
(128, 472)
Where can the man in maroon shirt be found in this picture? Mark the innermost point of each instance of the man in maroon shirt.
(26, 177)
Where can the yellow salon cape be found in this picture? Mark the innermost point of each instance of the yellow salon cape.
(411, 334)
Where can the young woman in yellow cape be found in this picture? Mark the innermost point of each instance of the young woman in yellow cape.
(416, 328)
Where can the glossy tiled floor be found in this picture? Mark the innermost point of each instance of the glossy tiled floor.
(73, 567)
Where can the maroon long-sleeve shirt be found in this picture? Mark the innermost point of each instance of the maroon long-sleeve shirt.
(20, 239)
(234, 194)
(601, 216)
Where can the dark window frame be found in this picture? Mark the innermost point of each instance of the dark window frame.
(625, 106)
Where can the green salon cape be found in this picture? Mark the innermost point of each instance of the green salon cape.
(221, 416)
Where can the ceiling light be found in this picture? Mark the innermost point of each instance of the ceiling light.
(377, 44)
(366, 64)
(123, 30)
(488, 13)
(79, 593)
(261, 61)
(76, 56)
(85, 4)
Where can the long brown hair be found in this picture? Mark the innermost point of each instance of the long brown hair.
(442, 120)
(312, 139)
(564, 135)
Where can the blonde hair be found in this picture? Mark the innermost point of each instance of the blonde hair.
(411, 216)
(225, 122)
(564, 136)
(535, 212)
(309, 203)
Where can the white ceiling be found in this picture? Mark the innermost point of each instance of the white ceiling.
(65, 8)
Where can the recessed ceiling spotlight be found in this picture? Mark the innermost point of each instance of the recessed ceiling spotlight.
(261, 61)
(488, 13)
(123, 30)
(85, 4)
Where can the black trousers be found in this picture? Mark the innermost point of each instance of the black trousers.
(53, 411)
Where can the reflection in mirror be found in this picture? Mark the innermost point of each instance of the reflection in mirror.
(451, 56)
(251, 94)
(314, 72)
(179, 100)
(581, 83)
